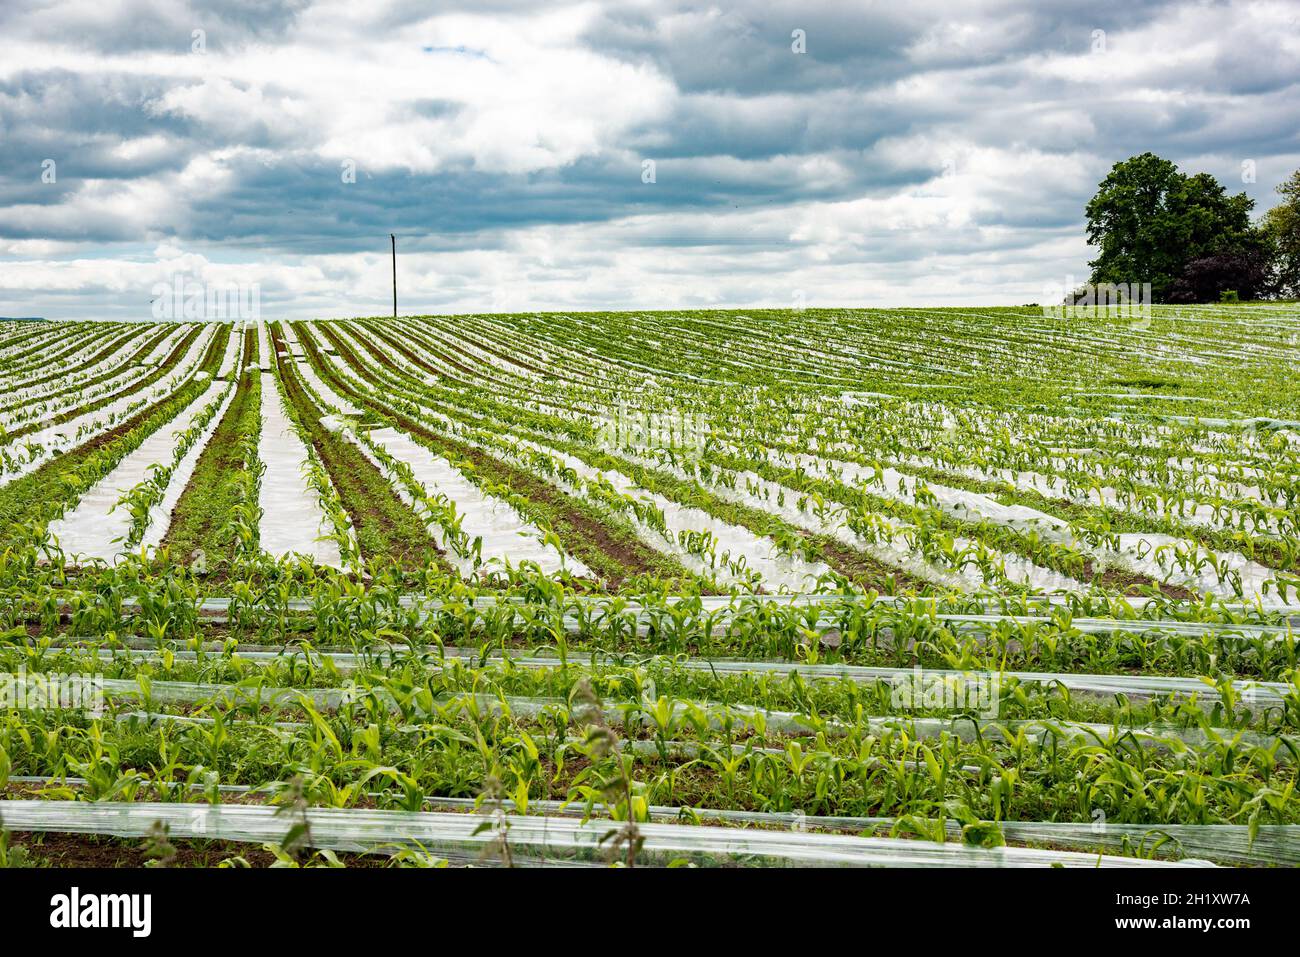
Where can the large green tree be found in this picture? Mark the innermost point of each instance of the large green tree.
(1282, 227)
(1149, 221)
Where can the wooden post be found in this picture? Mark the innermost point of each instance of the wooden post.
(394, 241)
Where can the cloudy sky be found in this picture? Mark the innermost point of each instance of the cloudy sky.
(912, 153)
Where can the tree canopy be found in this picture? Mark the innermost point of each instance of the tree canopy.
(1150, 222)
(1282, 230)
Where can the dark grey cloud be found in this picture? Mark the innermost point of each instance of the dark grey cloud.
(132, 26)
(747, 50)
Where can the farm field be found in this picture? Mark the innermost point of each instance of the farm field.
(912, 587)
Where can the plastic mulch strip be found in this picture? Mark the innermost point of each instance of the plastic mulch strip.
(1258, 692)
(531, 839)
(783, 722)
(1273, 844)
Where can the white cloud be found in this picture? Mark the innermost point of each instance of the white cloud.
(512, 141)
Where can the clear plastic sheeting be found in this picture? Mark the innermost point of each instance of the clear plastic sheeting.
(98, 526)
(1153, 555)
(721, 607)
(532, 840)
(505, 535)
(1144, 553)
(1266, 693)
(892, 484)
(1272, 845)
(53, 439)
(293, 518)
(1138, 686)
(160, 515)
(51, 389)
(779, 572)
(781, 501)
(964, 727)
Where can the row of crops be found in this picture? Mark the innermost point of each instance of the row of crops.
(925, 587)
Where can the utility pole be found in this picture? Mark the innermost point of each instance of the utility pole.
(394, 241)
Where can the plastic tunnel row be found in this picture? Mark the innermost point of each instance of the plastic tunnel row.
(459, 837)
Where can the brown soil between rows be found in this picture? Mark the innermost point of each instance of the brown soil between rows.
(1128, 582)
(369, 504)
(87, 850)
(632, 555)
(863, 570)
